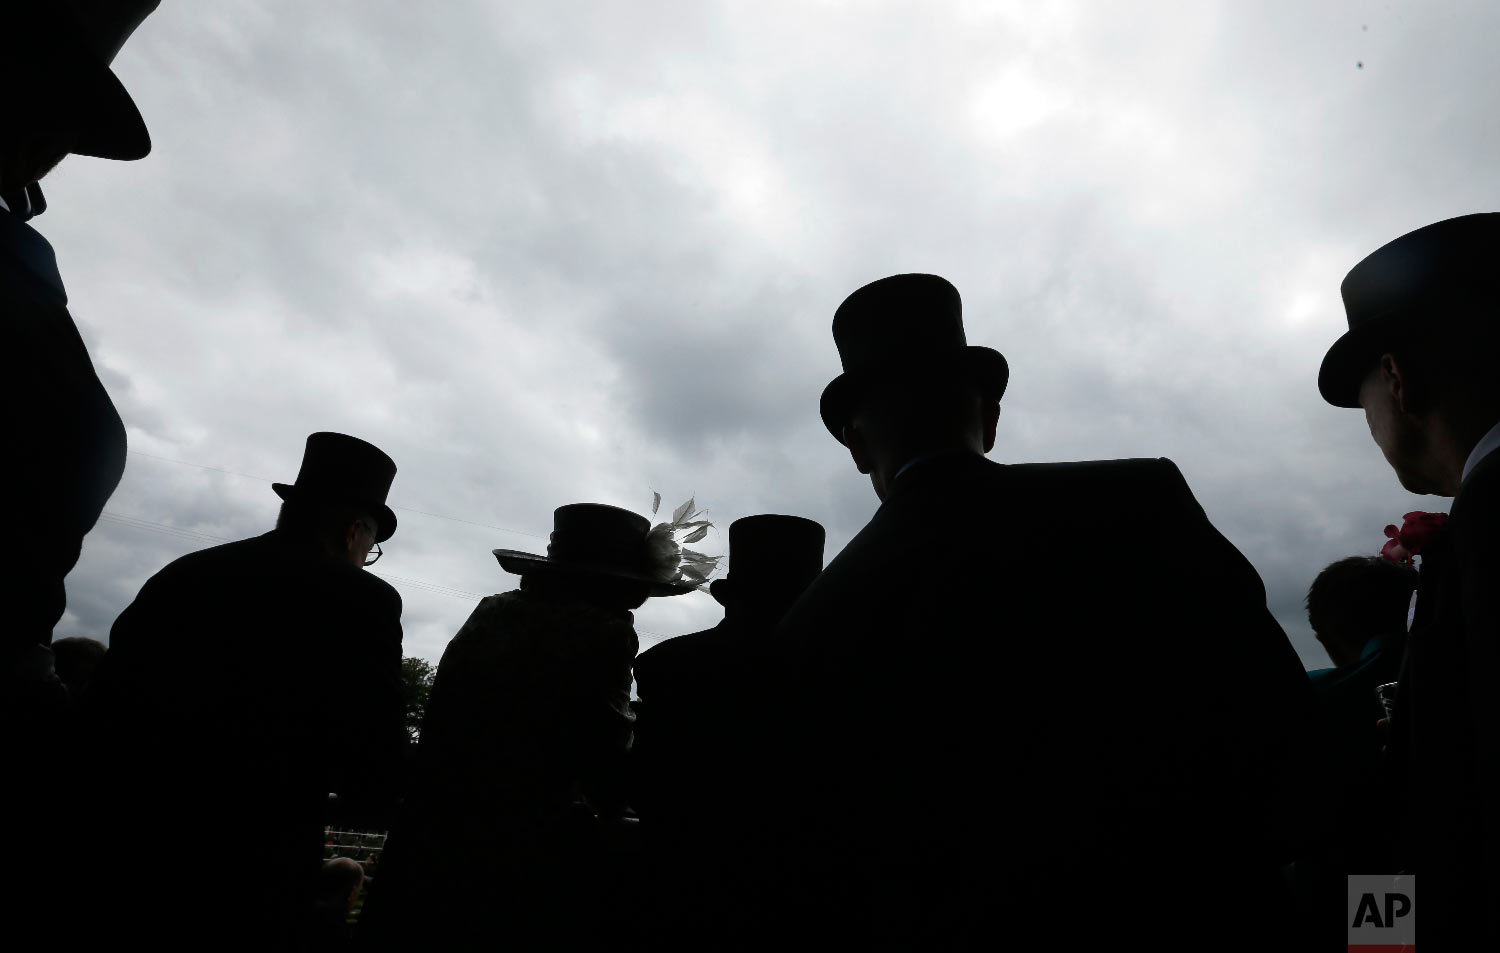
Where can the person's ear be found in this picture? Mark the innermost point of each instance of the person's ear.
(859, 448)
(352, 534)
(991, 420)
(1395, 377)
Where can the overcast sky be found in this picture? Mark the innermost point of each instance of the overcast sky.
(553, 252)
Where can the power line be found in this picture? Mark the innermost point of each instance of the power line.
(162, 528)
(432, 587)
(405, 509)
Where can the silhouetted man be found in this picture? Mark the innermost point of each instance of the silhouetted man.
(67, 443)
(1000, 733)
(245, 684)
(1420, 357)
(1357, 607)
(701, 707)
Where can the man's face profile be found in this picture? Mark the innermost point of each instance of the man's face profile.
(1396, 431)
(360, 537)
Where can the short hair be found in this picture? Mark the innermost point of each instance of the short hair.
(1358, 597)
(322, 517)
(921, 401)
(1454, 360)
(598, 589)
(77, 658)
(341, 876)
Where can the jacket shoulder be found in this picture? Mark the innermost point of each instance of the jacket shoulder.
(213, 561)
(264, 559)
(1143, 470)
(680, 650)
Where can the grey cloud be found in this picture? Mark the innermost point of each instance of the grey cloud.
(554, 252)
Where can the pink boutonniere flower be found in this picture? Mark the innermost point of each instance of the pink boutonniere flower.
(1418, 532)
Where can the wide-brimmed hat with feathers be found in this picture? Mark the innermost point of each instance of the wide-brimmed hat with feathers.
(596, 539)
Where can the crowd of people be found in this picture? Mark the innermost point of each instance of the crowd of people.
(927, 744)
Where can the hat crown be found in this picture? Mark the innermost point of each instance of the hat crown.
(1450, 261)
(339, 466)
(599, 534)
(904, 330)
(772, 546)
(903, 317)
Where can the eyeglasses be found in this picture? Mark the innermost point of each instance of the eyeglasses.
(374, 554)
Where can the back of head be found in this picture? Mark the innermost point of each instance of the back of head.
(77, 659)
(919, 413)
(1356, 599)
(340, 882)
(1451, 366)
(610, 593)
(320, 521)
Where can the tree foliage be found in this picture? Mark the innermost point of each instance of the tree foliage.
(416, 684)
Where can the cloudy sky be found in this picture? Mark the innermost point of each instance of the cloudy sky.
(552, 252)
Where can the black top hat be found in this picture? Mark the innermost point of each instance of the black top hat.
(1447, 272)
(595, 539)
(771, 551)
(902, 325)
(343, 469)
(58, 60)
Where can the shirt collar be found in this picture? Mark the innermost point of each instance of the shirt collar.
(924, 457)
(1487, 444)
(2, 203)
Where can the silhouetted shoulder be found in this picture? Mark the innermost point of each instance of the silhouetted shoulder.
(1134, 474)
(665, 661)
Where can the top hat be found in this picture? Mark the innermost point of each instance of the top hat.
(902, 325)
(59, 62)
(1447, 272)
(770, 551)
(599, 540)
(343, 469)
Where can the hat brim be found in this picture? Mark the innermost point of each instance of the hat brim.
(984, 366)
(67, 81)
(520, 564)
(1353, 354)
(382, 513)
(113, 127)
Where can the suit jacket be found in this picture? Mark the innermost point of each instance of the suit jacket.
(697, 704)
(1023, 694)
(1445, 745)
(243, 685)
(65, 455)
(67, 442)
(700, 706)
(1361, 827)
